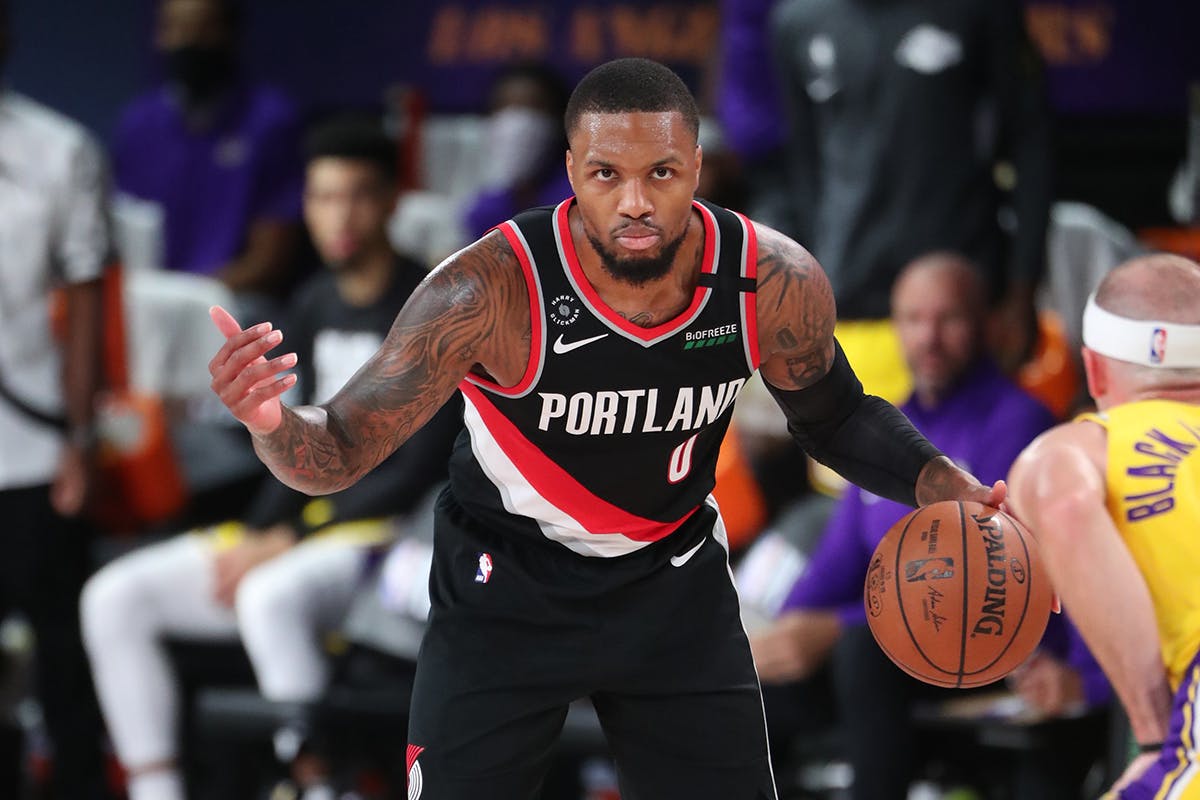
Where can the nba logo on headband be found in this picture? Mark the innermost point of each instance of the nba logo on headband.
(1158, 345)
(1140, 341)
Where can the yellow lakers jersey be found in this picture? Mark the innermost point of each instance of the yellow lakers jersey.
(1154, 499)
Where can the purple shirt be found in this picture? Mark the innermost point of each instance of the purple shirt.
(982, 425)
(211, 183)
(748, 101)
(494, 206)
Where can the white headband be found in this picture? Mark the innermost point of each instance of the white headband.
(1151, 343)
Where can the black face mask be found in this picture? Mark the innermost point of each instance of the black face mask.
(201, 71)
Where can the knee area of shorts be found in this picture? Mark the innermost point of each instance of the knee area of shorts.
(110, 603)
(263, 594)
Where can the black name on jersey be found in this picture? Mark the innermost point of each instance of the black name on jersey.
(637, 410)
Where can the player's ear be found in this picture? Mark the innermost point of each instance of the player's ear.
(699, 163)
(1097, 373)
(571, 170)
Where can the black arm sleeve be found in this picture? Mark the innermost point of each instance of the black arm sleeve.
(863, 438)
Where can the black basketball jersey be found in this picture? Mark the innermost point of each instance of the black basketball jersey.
(609, 441)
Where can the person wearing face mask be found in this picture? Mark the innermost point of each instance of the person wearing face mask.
(285, 571)
(525, 144)
(218, 155)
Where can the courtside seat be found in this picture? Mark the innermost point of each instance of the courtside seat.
(361, 731)
(231, 714)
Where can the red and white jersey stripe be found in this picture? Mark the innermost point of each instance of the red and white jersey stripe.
(609, 441)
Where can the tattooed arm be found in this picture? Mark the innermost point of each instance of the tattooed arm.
(862, 437)
(470, 313)
(795, 313)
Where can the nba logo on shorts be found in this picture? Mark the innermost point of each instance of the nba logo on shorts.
(483, 573)
(1158, 345)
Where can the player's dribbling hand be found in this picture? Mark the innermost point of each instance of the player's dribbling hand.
(942, 479)
(248, 383)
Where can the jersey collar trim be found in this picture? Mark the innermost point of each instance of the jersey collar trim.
(618, 324)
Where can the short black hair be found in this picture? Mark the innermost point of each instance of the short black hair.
(631, 84)
(354, 136)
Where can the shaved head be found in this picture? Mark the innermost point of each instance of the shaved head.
(1159, 286)
(950, 272)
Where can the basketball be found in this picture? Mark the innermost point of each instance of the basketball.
(956, 594)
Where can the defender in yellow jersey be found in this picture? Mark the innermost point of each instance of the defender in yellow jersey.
(1114, 500)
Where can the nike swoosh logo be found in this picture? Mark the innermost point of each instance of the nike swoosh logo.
(679, 561)
(561, 347)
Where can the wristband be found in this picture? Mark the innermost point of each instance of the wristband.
(1150, 747)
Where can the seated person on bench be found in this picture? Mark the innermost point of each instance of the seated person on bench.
(970, 410)
(288, 570)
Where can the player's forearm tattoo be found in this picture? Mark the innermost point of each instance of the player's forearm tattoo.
(440, 334)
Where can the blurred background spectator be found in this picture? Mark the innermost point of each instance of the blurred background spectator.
(283, 575)
(214, 154)
(977, 416)
(525, 147)
(54, 240)
(907, 119)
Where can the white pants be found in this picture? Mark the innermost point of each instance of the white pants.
(282, 609)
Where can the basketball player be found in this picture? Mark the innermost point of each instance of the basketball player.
(599, 345)
(1114, 499)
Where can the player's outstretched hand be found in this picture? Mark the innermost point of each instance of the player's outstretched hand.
(248, 383)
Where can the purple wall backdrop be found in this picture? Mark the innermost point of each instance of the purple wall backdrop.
(1106, 57)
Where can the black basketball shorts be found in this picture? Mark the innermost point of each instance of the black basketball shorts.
(521, 628)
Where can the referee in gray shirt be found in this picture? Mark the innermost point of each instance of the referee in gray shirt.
(53, 235)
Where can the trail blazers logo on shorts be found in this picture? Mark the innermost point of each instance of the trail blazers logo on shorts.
(415, 781)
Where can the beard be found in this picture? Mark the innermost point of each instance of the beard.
(637, 270)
